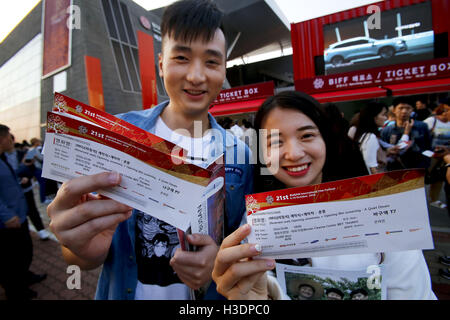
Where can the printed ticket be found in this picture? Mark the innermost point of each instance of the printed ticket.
(152, 181)
(72, 108)
(376, 213)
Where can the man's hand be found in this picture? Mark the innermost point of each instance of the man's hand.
(408, 126)
(195, 268)
(24, 180)
(13, 223)
(85, 223)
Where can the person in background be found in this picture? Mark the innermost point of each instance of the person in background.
(410, 156)
(422, 110)
(367, 134)
(16, 247)
(33, 158)
(237, 130)
(439, 125)
(334, 294)
(250, 135)
(25, 174)
(390, 121)
(359, 294)
(350, 155)
(445, 260)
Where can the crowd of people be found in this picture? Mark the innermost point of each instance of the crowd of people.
(314, 145)
(17, 171)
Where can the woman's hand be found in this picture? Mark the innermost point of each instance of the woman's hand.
(236, 274)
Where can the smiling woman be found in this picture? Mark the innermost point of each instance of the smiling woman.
(301, 153)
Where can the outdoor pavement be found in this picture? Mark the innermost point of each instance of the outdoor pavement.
(47, 258)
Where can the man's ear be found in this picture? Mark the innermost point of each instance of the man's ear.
(160, 60)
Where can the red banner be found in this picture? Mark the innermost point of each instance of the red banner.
(250, 92)
(400, 73)
(148, 70)
(57, 36)
(374, 185)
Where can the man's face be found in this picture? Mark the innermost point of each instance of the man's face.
(333, 296)
(359, 296)
(6, 142)
(193, 73)
(403, 111)
(420, 105)
(306, 291)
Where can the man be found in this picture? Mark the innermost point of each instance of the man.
(420, 138)
(422, 110)
(359, 294)
(95, 231)
(305, 292)
(25, 173)
(334, 294)
(16, 248)
(237, 130)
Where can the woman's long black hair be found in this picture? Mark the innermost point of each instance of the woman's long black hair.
(366, 122)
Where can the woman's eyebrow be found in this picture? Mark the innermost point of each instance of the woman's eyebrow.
(278, 133)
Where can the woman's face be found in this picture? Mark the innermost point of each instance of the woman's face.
(296, 155)
(381, 118)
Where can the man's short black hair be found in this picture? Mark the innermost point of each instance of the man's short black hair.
(400, 100)
(188, 20)
(4, 130)
(360, 290)
(335, 290)
(161, 237)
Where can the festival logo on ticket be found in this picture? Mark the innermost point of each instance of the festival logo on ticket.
(71, 107)
(375, 213)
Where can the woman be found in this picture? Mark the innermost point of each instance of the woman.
(298, 157)
(439, 126)
(372, 117)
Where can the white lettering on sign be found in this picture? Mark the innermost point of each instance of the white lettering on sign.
(339, 80)
(238, 93)
(405, 72)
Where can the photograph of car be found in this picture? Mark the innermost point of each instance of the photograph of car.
(361, 47)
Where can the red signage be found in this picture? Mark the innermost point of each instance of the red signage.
(57, 36)
(400, 73)
(244, 93)
(148, 70)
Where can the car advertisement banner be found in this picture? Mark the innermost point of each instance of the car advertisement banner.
(384, 38)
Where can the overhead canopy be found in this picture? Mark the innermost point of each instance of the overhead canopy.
(347, 95)
(242, 21)
(236, 107)
(420, 87)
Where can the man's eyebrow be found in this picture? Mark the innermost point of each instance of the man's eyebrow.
(182, 48)
(215, 53)
(278, 134)
(186, 49)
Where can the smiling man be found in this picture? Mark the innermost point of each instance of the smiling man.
(102, 231)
